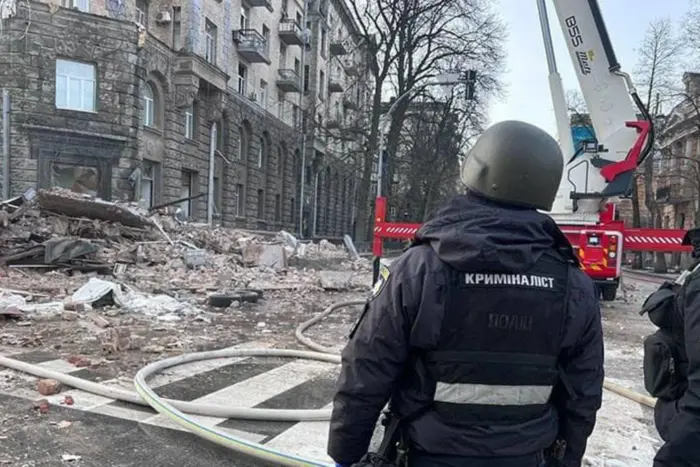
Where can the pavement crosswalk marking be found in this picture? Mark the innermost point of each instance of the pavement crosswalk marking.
(243, 382)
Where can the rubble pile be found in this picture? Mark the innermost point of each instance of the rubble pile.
(58, 246)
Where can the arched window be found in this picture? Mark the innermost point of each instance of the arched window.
(149, 106)
(261, 152)
(240, 142)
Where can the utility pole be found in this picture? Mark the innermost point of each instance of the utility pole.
(5, 144)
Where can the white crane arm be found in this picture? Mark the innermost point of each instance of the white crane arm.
(622, 124)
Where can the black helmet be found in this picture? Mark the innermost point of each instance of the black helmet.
(515, 163)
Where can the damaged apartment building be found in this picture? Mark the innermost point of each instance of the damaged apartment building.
(204, 101)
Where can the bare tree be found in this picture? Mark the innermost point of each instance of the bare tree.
(428, 155)
(657, 70)
(410, 42)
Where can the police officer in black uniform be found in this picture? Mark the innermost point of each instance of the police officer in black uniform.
(672, 364)
(485, 335)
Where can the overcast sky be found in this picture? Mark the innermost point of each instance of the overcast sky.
(528, 96)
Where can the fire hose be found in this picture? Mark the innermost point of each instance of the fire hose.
(180, 412)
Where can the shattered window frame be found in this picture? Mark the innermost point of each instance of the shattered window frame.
(63, 166)
(148, 174)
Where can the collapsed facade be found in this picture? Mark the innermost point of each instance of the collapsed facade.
(203, 102)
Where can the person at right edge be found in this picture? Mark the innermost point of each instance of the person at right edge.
(672, 363)
(485, 335)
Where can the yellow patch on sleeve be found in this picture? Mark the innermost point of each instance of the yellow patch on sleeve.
(381, 281)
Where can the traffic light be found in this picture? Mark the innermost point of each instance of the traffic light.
(470, 84)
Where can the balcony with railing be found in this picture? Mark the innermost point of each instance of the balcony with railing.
(252, 46)
(339, 46)
(288, 80)
(676, 192)
(290, 32)
(318, 7)
(335, 85)
(191, 64)
(349, 102)
(352, 68)
(334, 121)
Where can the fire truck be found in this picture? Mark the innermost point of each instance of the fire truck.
(600, 171)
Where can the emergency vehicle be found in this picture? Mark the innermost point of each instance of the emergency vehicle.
(602, 169)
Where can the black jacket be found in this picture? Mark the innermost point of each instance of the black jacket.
(405, 316)
(678, 422)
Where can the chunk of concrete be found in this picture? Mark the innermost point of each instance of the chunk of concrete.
(344, 280)
(266, 255)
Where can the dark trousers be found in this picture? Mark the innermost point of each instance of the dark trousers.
(419, 459)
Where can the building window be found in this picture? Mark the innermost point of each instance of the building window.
(149, 112)
(293, 210)
(217, 195)
(77, 178)
(283, 57)
(266, 35)
(261, 204)
(306, 78)
(240, 201)
(186, 191)
(295, 116)
(240, 143)
(245, 18)
(148, 176)
(324, 42)
(263, 93)
(141, 13)
(278, 208)
(281, 162)
(82, 5)
(210, 44)
(189, 122)
(177, 28)
(242, 74)
(261, 152)
(75, 86)
(321, 84)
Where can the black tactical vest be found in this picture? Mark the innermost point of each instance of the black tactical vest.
(499, 344)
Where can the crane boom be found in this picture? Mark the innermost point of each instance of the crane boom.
(602, 169)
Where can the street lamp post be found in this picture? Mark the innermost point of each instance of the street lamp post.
(384, 127)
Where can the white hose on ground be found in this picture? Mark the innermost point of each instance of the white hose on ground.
(177, 410)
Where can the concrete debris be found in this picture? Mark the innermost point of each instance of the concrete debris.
(91, 264)
(344, 280)
(48, 387)
(269, 256)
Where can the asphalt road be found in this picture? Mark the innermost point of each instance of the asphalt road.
(108, 433)
(103, 432)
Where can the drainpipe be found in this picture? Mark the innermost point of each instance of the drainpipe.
(302, 188)
(313, 232)
(5, 144)
(212, 164)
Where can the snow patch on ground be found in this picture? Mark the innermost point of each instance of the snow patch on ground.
(624, 435)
